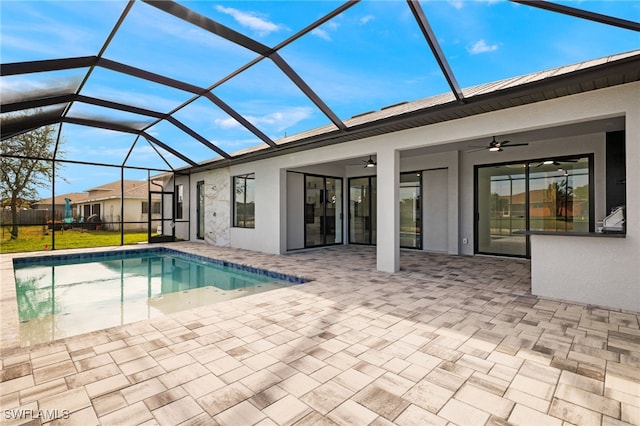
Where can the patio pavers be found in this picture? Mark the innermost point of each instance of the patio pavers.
(447, 340)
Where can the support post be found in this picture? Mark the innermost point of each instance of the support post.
(388, 214)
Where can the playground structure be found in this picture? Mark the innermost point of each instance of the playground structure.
(68, 218)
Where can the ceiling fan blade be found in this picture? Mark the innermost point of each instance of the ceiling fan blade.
(515, 144)
(477, 148)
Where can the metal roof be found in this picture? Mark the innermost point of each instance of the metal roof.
(56, 103)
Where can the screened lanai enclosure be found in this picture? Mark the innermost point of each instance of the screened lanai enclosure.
(131, 94)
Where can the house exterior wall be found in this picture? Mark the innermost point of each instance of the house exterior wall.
(599, 271)
(110, 213)
(603, 271)
(217, 206)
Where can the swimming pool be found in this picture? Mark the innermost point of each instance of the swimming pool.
(64, 295)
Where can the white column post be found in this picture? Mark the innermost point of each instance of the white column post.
(282, 203)
(388, 211)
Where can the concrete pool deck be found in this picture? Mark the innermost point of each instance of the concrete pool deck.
(447, 340)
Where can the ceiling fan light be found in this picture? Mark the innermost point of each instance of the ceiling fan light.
(494, 148)
(370, 164)
(548, 162)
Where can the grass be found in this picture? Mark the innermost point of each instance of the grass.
(35, 238)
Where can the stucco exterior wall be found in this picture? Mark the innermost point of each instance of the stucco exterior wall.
(217, 206)
(599, 271)
(563, 280)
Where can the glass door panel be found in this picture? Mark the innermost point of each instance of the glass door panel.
(333, 211)
(410, 211)
(323, 211)
(314, 187)
(374, 209)
(501, 210)
(360, 212)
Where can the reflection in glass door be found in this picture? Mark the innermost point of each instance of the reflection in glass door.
(362, 210)
(410, 211)
(559, 196)
(501, 209)
(551, 195)
(323, 211)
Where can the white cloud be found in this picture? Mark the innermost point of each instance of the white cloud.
(481, 46)
(250, 20)
(226, 123)
(323, 32)
(366, 19)
(276, 121)
(319, 32)
(282, 120)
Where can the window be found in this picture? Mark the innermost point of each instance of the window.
(179, 200)
(244, 201)
(155, 207)
(200, 210)
(549, 195)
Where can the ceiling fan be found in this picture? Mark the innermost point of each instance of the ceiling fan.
(497, 146)
(369, 162)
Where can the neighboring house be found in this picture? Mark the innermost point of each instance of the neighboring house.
(58, 204)
(105, 201)
(39, 212)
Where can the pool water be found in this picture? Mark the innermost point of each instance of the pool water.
(62, 296)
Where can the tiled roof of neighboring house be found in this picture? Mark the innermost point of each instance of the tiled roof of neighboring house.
(59, 200)
(535, 196)
(132, 189)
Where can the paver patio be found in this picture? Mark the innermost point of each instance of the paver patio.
(447, 340)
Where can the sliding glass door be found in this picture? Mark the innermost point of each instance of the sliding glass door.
(410, 211)
(323, 211)
(362, 210)
(551, 195)
(501, 209)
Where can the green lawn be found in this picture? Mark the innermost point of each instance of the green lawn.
(34, 238)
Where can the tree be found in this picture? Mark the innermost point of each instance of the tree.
(559, 196)
(21, 173)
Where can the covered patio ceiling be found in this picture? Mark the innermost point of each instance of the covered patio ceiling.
(205, 84)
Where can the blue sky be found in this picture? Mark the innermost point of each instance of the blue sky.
(370, 56)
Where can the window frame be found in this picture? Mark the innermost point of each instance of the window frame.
(246, 219)
(179, 200)
(527, 165)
